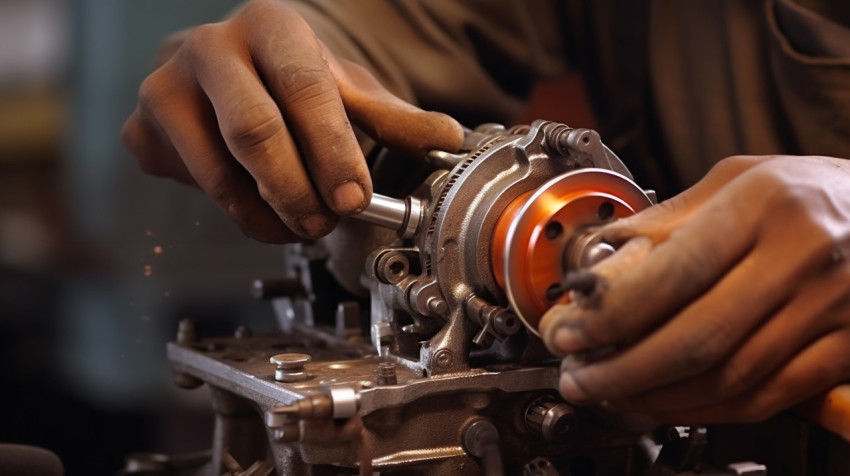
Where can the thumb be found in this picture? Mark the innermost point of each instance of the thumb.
(389, 120)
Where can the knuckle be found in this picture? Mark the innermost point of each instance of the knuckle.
(261, 11)
(735, 379)
(199, 41)
(307, 84)
(152, 90)
(252, 127)
(736, 163)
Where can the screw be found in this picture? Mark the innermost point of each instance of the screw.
(443, 358)
(386, 374)
(290, 367)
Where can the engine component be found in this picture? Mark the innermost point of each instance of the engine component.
(435, 373)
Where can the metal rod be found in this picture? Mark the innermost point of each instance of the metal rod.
(401, 215)
(385, 211)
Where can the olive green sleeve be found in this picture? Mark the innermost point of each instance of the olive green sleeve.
(473, 59)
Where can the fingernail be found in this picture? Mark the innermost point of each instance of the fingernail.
(314, 225)
(568, 340)
(570, 389)
(348, 197)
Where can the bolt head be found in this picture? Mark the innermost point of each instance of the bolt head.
(290, 361)
(437, 305)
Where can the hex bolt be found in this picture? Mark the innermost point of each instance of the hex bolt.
(392, 267)
(386, 374)
(290, 367)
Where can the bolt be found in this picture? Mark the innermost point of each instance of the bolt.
(479, 437)
(392, 267)
(290, 367)
(243, 332)
(187, 332)
(386, 374)
(437, 305)
(443, 358)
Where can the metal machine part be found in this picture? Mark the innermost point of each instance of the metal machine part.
(436, 373)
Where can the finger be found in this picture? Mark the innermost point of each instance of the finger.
(291, 63)
(190, 124)
(626, 258)
(676, 272)
(782, 337)
(708, 330)
(820, 366)
(389, 120)
(659, 221)
(255, 132)
(156, 156)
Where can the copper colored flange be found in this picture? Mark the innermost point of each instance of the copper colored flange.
(532, 239)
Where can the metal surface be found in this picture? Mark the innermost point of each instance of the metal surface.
(402, 216)
(547, 225)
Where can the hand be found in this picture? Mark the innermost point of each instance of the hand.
(253, 111)
(736, 307)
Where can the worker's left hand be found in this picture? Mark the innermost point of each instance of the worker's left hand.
(738, 306)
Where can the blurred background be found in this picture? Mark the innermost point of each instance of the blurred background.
(98, 262)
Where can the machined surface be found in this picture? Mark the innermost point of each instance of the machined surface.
(539, 235)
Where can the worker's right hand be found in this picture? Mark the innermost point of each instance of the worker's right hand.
(254, 111)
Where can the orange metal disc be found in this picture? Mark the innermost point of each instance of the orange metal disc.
(533, 233)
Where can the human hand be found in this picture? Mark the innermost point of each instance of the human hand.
(253, 111)
(730, 303)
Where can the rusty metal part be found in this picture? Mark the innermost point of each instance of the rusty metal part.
(450, 380)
